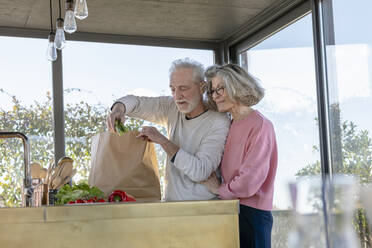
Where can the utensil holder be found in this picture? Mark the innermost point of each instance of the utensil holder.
(40, 194)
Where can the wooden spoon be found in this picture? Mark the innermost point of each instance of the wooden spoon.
(35, 170)
(67, 179)
(43, 173)
(56, 181)
(66, 170)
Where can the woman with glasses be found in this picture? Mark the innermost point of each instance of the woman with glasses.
(250, 158)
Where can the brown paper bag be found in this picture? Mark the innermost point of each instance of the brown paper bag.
(125, 163)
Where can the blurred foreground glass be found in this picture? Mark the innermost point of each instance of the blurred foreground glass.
(323, 211)
(308, 208)
(366, 200)
(341, 197)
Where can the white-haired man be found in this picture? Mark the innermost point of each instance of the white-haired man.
(196, 135)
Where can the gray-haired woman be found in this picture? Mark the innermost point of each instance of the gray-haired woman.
(249, 162)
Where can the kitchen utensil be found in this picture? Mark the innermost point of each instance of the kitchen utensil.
(35, 170)
(43, 173)
(56, 181)
(67, 178)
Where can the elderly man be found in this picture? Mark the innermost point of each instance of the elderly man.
(196, 134)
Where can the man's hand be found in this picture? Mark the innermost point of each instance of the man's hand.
(212, 183)
(152, 134)
(117, 113)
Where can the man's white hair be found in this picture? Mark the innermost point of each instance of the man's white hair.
(196, 67)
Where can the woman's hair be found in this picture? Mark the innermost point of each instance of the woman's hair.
(240, 86)
(196, 67)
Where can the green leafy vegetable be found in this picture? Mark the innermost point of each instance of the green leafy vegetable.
(78, 191)
(120, 128)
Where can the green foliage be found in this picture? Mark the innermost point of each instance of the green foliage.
(356, 155)
(311, 169)
(82, 121)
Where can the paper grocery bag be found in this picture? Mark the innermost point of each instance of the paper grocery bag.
(124, 163)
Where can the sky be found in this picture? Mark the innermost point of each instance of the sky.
(284, 63)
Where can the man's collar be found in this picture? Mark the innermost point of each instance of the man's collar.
(187, 118)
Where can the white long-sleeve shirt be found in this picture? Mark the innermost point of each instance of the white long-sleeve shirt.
(201, 141)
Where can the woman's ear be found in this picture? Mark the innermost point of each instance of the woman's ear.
(203, 87)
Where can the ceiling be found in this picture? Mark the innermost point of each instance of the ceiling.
(208, 20)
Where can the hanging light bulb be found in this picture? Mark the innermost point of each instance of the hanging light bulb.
(51, 53)
(70, 23)
(60, 39)
(81, 9)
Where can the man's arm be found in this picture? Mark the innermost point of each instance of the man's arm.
(153, 109)
(170, 148)
(199, 166)
(118, 105)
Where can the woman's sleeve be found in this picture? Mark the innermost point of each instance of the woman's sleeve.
(254, 168)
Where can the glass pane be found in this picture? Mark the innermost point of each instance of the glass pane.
(25, 106)
(350, 88)
(285, 65)
(96, 74)
(350, 67)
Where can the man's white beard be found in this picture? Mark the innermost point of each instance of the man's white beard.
(191, 105)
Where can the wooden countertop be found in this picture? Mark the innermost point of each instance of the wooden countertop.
(165, 224)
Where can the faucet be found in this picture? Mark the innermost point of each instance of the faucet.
(27, 189)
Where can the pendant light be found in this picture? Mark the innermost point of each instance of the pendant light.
(60, 39)
(51, 52)
(70, 23)
(81, 9)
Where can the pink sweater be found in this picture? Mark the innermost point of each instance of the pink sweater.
(249, 162)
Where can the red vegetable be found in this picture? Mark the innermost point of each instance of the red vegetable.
(117, 196)
(79, 201)
(130, 198)
(120, 196)
(101, 200)
(71, 202)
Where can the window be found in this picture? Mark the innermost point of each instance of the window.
(285, 65)
(349, 64)
(25, 106)
(350, 88)
(96, 74)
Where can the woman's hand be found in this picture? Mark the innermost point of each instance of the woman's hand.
(212, 183)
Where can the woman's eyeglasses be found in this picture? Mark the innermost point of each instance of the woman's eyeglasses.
(219, 91)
